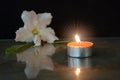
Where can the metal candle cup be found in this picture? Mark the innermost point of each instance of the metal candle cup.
(81, 49)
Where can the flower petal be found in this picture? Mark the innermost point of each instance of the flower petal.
(30, 19)
(44, 19)
(37, 40)
(48, 35)
(23, 35)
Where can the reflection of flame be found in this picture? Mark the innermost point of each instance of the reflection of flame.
(77, 71)
(77, 38)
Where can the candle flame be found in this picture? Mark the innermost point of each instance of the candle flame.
(77, 38)
(77, 71)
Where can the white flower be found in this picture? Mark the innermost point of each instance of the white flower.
(35, 28)
(36, 59)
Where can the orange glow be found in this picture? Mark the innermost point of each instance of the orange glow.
(77, 71)
(83, 44)
(79, 43)
(77, 38)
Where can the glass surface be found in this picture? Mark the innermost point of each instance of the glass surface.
(51, 62)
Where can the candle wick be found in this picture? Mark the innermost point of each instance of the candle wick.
(79, 42)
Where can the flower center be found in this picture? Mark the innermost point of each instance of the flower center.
(35, 31)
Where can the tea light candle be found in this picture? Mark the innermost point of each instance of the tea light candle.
(79, 48)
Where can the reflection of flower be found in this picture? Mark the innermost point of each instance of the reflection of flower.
(35, 29)
(36, 59)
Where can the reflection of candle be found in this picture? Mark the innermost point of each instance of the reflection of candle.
(77, 71)
(74, 62)
(79, 48)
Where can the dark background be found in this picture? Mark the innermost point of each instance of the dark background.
(89, 18)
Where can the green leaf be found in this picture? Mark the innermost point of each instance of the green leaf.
(61, 41)
(22, 47)
(17, 48)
